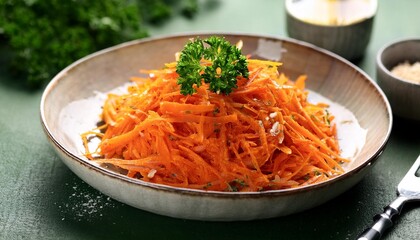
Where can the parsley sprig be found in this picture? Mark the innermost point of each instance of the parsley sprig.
(226, 64)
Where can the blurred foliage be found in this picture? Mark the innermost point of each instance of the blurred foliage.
(48, 35)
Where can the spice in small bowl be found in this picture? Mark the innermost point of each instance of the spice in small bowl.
(407, 71)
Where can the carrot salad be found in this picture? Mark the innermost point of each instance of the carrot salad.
(265, 135)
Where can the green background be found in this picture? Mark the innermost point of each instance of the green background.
(40, 198)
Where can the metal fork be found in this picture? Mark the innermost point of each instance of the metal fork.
(408, 190)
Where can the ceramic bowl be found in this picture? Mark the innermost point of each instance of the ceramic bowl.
(347, 39)
(404, 95)
(67, 109)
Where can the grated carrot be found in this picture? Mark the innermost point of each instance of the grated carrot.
(265, 135)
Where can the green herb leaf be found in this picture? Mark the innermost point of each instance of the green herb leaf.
(227, 63)
(189, 67)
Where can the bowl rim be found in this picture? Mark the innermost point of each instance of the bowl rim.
(387, 46)
(371, 159)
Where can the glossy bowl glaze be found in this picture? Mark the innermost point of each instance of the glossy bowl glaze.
(403, 95)
(305, 22)
(66, 111)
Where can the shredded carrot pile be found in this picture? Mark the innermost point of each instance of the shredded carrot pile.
(263, 136)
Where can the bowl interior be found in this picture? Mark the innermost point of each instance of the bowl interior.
(399, 52)
(328, 75)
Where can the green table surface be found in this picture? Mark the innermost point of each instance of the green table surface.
(40, 198)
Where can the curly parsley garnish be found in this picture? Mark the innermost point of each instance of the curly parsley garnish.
(226, 64)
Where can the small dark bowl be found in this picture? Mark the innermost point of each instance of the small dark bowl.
(403, 95)
(347, 40)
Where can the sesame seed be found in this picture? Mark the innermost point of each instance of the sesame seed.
(151, 173)
(273, 115)
(275, 129)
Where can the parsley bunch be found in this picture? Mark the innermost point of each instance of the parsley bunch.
(227, 63)
(47, 35)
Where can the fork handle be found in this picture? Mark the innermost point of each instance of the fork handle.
(383, 221)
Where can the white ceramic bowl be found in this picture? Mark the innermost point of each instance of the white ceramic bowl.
(404, 95)
(66, 111)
